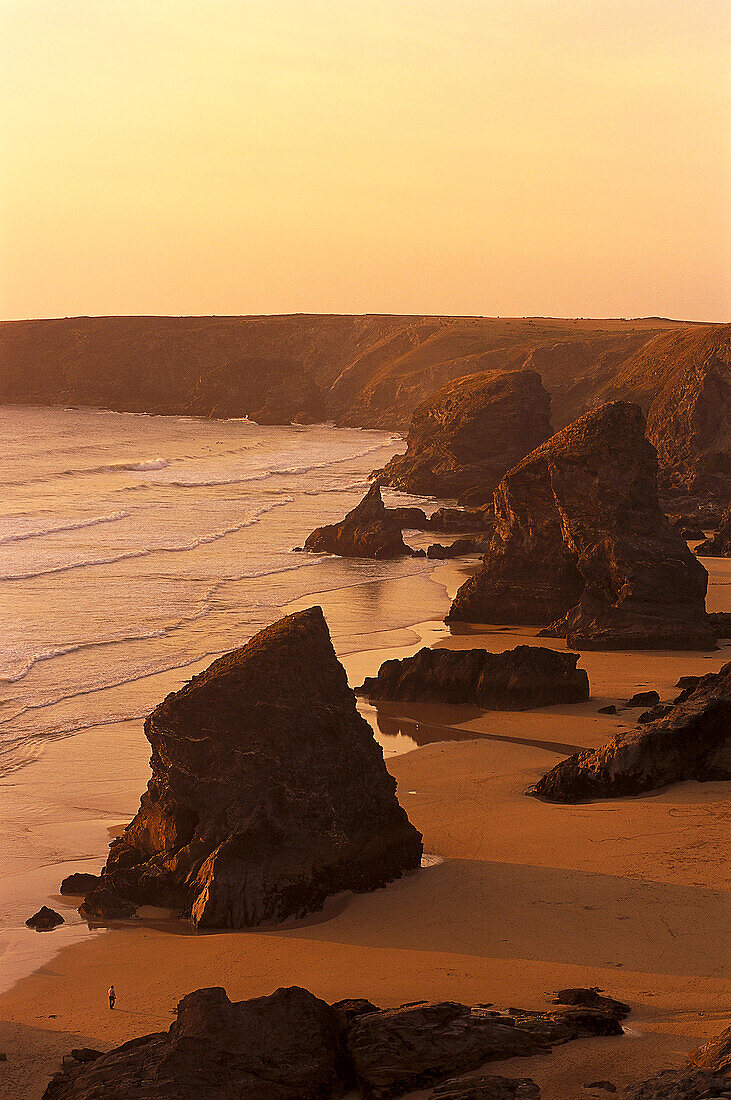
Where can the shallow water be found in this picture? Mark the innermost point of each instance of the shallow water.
(133, 545)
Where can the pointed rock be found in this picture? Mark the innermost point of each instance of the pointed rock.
(370, 530)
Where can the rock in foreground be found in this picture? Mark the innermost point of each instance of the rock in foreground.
(482, 1086)
(518, 679)
(692, 741)
(464, 438)
(684, 1084)
(268, 791)
(45, 919)
(581, 544)
(370, 530)
(715, 1055)
(282, 1047)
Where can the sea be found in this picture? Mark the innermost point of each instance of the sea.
(134, 545)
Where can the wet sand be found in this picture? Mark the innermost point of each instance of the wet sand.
(523, 897)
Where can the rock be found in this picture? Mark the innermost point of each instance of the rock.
(409, 519)
(654, 713)
(720, 623)
(688, 682)
(605, 1086)
(462, 519)
(368, 531)
(405, 1049)
(670, 1084)
(591, 998)
(643, 699)
(611, 709)
(455, 549)
(85, 1054)
(79, 883)
(105, 902)
(518, 679)
(3, 1057)
(463, 439)
(45, 919)
(268, 790)
(351, 1008)
(719, 545)
(482, 1086)
(283, 1047)
(690, 742)
(581, 544)
(715, 1055)
(570, 1022)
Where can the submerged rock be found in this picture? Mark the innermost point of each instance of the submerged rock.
(463, 439)
(283, 1047)
(581, 544)
(518, 679)
(45, 919)
(692, 741)
(268, 791)
(368, 531)
(719, 544)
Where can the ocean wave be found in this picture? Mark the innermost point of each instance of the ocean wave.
(77, 525)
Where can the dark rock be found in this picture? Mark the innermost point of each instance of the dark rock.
(688, 682)
(420, 553)
(283, 1047)
(720, 623)
(368, 531)
(462, 519)
(463, 439)
(605, 1086)
(351, 1008)
(715, 1055)
(670, 1084)
(518, 679)
(454, 549)
(580, 543)
(3, 1057)
(643, 699)
(483, 1086)
(411, 519)
(85, 1054)
(404, 1049)
(105, 902)
(570, 1022)
(690, 742)
(654, 713)
(591, 998)
(45, 919)
(719, 545)
(79, 883)
(611, 709)
(268, 790)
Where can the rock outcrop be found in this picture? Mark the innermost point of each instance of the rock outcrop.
(684, 1084)
(368, 531)
(268, 791)
(283, 1047)
(518, 679)
(692, 741)
(484, 1086)
(464, 438)
(79, 884)
(715, 1055)
(45, 919)
(719, 544)
(581, 545)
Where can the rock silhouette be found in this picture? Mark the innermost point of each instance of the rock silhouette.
(45, 919)
(581, 545)
(518, 679)
(368, 531)
(268, 791)
(463, 439)
(690, 742)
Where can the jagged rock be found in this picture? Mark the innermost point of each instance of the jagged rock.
(462, 519)
(517, 679)
(652, 715)
(80, 883)
(580, 543)
(718, 545)
(569, 1022)
(268, 790)
(84, 1055)
(692, 741)
(404, 1049)
(283, 1047)
(454, 549)
(463, 439)
(671, 1084)
(643, 699)
(483, 1086)
(715, 1055)
(351, 1008)
(368, 531)
(45, 919)
(591, 997)
(106, 902)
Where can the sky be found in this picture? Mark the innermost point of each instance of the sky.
(480, 157)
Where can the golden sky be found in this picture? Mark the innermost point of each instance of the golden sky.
(512, 157)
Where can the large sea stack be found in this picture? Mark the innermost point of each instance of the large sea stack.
(268, 791)
(691, 741)
(464, 438)
(581, 545)
(370, 530)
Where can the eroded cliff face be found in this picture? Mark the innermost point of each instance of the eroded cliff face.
(582, 546)
(463, 439)
(268, 791)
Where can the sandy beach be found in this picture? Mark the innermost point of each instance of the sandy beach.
(517, 898)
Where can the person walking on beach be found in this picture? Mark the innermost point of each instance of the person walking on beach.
(112, 996)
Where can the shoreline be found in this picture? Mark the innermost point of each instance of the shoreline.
(523, 896)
